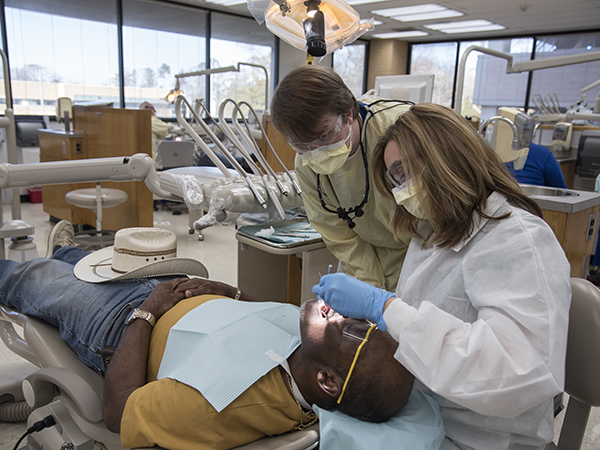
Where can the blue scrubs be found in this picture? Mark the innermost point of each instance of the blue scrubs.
(541, 169)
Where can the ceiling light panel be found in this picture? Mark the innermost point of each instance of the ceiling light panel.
(400, 34)
(226, 2)
(460, 24)
(492, 27)
(363, 2)
(429, 16)
(430, 11)
(407, 10)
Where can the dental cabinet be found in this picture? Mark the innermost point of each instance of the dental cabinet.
(100, 132)
(572, 215)
(277, 271)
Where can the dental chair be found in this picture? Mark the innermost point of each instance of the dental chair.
(582, 381)
(56, 383)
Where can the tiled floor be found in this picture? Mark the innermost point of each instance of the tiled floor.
(218, 252)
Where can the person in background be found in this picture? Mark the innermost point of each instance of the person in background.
(334, 135)
(541, 169)
(160, 129)
(481, 310)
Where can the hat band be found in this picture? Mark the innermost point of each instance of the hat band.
(126, 251)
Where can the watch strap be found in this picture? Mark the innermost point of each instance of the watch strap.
(141, 314)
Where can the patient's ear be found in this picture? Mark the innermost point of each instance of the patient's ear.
(329, 381)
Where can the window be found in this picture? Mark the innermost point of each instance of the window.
(349, 63)
(238, 40)
(439, 60)
(60, 49)
(487, 85)
(159, 42)
(567, 81)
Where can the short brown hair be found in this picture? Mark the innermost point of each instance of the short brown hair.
(304, 96)
(456, 167)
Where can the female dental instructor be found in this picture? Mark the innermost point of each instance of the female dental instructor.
(481, 308)
(334, 135)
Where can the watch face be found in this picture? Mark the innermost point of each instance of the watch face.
(131, 317)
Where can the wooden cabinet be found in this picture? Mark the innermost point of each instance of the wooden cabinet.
(573, 232)
(100, 133)
(279, 143)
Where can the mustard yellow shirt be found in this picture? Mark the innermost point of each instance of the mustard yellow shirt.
(173, 415)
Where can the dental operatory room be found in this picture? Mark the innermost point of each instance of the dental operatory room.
(300, 224)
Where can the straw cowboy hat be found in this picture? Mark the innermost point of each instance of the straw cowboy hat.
(138, 253)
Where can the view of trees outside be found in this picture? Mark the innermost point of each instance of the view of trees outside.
(53, 56)
(349, 63)
(439, 60)
(249, 84)
(152, 58)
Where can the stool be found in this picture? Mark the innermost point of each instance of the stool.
(96, 199)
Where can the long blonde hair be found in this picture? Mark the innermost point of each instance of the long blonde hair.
(456, 168)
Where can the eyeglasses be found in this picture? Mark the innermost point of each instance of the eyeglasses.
(360, 330)
(395, 175)
(326, 139)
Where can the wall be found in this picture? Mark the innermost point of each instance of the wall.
(386, 57)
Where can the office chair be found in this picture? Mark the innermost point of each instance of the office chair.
(56, 383)
(96, 199)
(582, 381)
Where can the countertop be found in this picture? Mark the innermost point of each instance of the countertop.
(569, 203)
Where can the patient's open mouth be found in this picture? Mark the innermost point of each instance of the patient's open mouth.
(325, 310)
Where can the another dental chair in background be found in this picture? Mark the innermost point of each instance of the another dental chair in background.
(56, 383)
(582, 381)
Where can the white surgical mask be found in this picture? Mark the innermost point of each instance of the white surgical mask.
(329, 158)
(406, 195)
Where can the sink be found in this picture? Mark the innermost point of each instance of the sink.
(545, 191)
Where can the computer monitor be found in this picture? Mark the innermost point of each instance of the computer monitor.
(416, 88)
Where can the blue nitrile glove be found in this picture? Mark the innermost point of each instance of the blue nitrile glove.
(353, 298)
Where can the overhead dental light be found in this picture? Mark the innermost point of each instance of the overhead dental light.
(316, 26)
(173, 93)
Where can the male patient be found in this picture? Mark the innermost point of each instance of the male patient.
(91, 317)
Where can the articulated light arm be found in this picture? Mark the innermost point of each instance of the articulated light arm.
(139, 167)
(522, 66)
(173, 94)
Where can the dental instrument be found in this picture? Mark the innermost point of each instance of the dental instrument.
(209, 152)
(264, 134)
(272, 195)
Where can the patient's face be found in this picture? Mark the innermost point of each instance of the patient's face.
(328, 336)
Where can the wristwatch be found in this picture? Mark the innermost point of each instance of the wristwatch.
(141, 314)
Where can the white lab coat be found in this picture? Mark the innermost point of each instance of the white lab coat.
(483, 327)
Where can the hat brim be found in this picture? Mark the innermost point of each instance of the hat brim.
(97, 268)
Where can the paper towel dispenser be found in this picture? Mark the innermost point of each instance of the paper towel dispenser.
(588, 154)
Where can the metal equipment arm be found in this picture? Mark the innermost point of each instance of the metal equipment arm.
(522, 66)
(209, 152)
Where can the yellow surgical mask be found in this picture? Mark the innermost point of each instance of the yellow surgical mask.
(406, 195)
(326, 160)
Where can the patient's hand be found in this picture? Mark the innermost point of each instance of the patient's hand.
(200, 286)
(164, 296)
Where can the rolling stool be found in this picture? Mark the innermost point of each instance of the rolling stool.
(95, 199)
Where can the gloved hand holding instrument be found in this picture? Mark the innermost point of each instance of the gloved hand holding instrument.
(353, 298)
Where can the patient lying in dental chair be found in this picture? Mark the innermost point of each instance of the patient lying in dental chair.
(228, 387)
